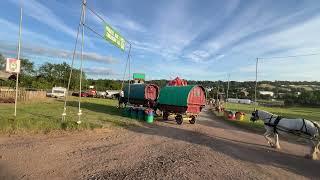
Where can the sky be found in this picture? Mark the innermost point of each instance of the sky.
(195, 40)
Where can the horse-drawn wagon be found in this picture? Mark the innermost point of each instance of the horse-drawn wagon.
(182, 100)
(141, 94)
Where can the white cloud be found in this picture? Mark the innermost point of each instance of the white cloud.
(29, 50)
(44, 15)
(27, 35)
(118, 21)
(99, 71)
(198, 55)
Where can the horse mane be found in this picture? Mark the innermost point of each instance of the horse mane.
(316, 124)
(268, 112)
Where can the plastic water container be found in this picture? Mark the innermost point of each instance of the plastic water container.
(127, 112)
(134, 113)
(240, 116)
(140, 114)
(149, 115)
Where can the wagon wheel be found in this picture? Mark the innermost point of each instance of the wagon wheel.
(192, 120)
(179, 119)
(165, 116)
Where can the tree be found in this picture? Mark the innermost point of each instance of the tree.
(58, 75)
(2, 62)
(27, 73)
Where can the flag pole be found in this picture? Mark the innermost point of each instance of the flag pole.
(19, 48)
(255, 88)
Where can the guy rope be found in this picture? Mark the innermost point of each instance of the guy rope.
(110, 35)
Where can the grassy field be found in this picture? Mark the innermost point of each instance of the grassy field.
(290, 112)
(45, 116)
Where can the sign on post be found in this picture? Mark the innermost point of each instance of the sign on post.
(141, 76)
(13, 65)
(114, 37)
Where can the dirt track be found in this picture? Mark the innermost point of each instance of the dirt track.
(210, 149)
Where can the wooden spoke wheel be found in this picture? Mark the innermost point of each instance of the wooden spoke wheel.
(192, 120)
(179, 119)
(165, 116)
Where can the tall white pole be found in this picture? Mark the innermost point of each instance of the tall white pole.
(129, 70)
(19, 48)
(255, 89)
(228, 86)
(81, 63)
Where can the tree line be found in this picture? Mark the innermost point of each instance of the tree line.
(49, 75)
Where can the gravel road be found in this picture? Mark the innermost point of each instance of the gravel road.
(210, 149)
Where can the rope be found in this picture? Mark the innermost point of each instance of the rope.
(105, 22)
(71, 70)
(81, 62)
(124, 74)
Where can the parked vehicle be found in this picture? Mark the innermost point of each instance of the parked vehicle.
(49, 93)
(57, 92)
(91, 93)
(101, 94)
(182, 100)
(240, 101)
(112, 94)
(83, 94)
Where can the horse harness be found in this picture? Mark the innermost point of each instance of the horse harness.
(295, 132)
(274, 124)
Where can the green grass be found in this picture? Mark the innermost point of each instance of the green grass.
(45, 116)
(246, 123)
(289, 112)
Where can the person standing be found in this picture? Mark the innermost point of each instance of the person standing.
(121, 98)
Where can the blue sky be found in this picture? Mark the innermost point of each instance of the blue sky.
(200, 40)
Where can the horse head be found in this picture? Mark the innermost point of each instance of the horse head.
(255, 115)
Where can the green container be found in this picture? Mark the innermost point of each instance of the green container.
(149, 118)
(141, 114)
(127, 112)
(134, 114)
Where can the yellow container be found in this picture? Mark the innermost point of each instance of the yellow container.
(240, 116)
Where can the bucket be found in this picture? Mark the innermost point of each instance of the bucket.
(126, 112)
(140, 114)
(149, 115)
(230, 115)
(134, 113)
(240, 116)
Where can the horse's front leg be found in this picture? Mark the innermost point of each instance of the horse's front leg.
(276, 140)
(314, 150)
(266, 135)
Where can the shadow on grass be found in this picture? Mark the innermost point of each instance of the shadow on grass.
(121, 121)
(253, 153)
(99, 108)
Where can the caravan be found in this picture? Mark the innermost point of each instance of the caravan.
(58, 92)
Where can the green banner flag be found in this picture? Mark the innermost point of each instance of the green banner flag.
(114, 37)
